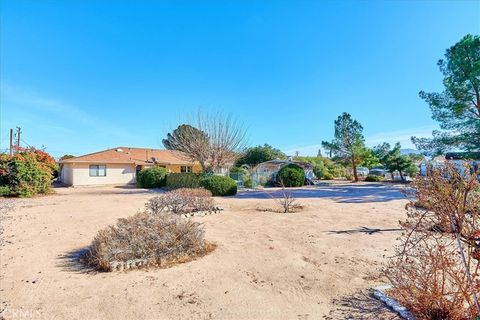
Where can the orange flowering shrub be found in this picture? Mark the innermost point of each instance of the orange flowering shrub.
(26, 173)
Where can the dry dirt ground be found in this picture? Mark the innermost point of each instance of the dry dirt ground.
(314, 264)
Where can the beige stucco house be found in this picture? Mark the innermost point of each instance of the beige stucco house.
(120, 165)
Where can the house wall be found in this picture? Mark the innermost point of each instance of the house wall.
(78, 174)
(196, 168)
(66, 174)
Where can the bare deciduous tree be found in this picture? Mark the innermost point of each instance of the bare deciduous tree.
(214, 140)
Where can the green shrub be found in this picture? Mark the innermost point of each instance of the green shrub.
(26, 173)
(219, 185)
(291, 175)
(153, 177)
(183, 180)
(319, 170)
(247, 182)
(5, 191)
(373, 178)
(328, 176)
(238, 170)
(336, 170)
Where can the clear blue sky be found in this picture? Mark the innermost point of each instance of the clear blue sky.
(81, 76)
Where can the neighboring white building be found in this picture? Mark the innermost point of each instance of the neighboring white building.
(458, 159)
(267, 171)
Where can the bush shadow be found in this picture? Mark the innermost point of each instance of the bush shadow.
(361, 305)
(358, 193)
(71, 261)
(366, 230)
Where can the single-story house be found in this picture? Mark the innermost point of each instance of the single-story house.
(121, 165)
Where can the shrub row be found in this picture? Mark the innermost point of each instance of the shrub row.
(158, 177)
(183, 180)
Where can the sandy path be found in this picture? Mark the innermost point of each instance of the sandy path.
(267, 265)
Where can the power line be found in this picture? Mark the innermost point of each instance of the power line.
(26, 143)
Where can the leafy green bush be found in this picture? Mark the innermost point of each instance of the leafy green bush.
(247, 182)
(291, 175)
(319, 164)
(183, 180)
(373, 178)
(336, 170)
(26, 173)
(153, 177)
(238, 170)
(219, 185)
(319, 170)
(327, 176)
(5, 191)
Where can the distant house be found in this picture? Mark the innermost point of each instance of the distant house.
(266, 172)
(120, 165)
(362, 172)
(378, 172)
(458, 159)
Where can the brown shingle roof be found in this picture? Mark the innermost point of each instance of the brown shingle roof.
(132, 155)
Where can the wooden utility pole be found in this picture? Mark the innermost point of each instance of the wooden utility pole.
(11, 141)
(18, 138)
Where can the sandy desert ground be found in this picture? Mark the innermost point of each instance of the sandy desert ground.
(268, 265)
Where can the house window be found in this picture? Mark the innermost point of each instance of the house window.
(98, 170)
(185, 169)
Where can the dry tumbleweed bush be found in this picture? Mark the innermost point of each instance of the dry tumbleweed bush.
(157, 240)
(288, 202)
(156, 237)
(436, 271)
(184, 200)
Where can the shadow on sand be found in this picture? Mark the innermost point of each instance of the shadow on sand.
(354, 193)
(72, 262)
(361, 306)
(113, 190)
(366, 230)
